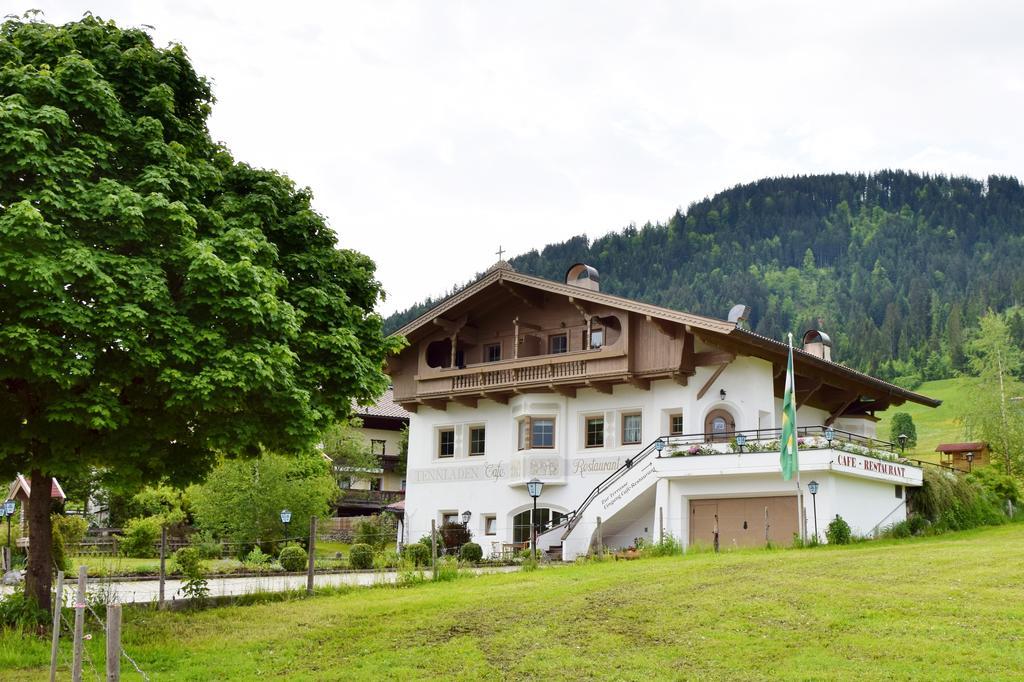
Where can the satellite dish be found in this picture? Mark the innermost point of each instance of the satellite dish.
(739, 313)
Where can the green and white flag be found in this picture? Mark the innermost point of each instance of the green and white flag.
(788, 454)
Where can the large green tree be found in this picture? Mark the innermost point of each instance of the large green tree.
(160, 304)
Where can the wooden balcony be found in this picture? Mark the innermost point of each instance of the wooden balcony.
(562, 372)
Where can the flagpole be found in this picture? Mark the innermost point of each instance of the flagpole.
(796, 433)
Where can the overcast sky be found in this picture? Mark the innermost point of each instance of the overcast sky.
(433, 132)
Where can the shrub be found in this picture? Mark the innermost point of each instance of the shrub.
(447, 570)
(668, 546)
(378, 531)
(59, 550)
(957, 502)
(140, 537)
(206, 545)
(19, 612)
(917, 524)
(386, 559)
(360, 556)
(195, 587)
(417, 553)
(471, 552)
(71, 528)
(454, 534)
(257, 557)
(293, 558)
(838, 531)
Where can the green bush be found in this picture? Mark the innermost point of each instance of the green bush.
(386, 559)
(190, 566)
(668, 546)
(21, 613)
(59, 552)
(417, 553)
(838, 532)
(360, 556)
(206, 545)
(140, 537)
(953, 501)
(187, 561)
(378, 531)
(447, 570)
(453, 534)
(471, 552)
(71, 528)
(917, 524)
(293, 558)
(257, 557)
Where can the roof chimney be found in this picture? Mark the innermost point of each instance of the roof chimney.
(583, 276)
(817, 342)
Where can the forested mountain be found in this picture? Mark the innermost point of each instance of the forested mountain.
(895, 266)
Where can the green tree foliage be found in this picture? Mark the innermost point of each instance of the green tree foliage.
(293, 558)
(349, 450)
(360, 556)
(992, 415)
(378, 531)
(241, 500)
(160, 303)
(894, 265)
(903, 424)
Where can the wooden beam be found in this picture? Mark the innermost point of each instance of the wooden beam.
(496, 397)
(642, 384)
(687, 361)
(814, 389)
(436, 403)
(528, 325)
(562, 389)
(681, 379)
(467, 400)
(711, 380)
(708, 358)
(600, 386)
(842, 408)
(586, 312)
(410, 406)
(779, 371)
(530, 298)
(451, 326)
(667, 328)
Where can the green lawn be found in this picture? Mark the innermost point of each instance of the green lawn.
(945, 608)
(934, 425)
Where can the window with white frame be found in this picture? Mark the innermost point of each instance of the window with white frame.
(632, 428)
(490, 524)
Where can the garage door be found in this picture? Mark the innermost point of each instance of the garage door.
(741, 521)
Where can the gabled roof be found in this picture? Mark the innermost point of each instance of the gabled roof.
(503, 272)
(22, 489)
(747, 341)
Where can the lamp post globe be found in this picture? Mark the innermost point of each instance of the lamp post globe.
(741, 440)
(970, 461)
(286, 518)
(830, 435)
(902, 439)
(466, 516)
(659, 445)
(534, 488)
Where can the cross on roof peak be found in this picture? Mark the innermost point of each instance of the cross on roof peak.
(500, 252)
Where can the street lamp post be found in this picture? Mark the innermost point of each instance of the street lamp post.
(534, 487)
(813, 488)
(3, 513)
(286, 518)
(741, 440)
(659, 445)
(902, 438)
(830, 435)
(970, 461)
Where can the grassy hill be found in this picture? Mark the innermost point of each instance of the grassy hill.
(939, 608)
(934, 425)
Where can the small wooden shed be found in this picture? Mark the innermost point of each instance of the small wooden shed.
(963, 456)
(20, 491)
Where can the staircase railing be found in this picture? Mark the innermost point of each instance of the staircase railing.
(577, 514)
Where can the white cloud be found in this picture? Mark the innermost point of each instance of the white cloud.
(431, 133)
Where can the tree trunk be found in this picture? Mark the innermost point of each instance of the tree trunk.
(39, 573)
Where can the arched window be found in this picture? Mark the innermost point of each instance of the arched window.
(521, 522)
(719, 426)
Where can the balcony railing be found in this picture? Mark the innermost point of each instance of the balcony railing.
(371, 497)
(515, 375)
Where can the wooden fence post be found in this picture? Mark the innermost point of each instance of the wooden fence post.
(114, 642)
(76, 662)
(163, 564)
(312, 555)
(600, 538)
(58, 602)
(433, 547)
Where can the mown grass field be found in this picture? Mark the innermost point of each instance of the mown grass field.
(934, 425)
(944, 608)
